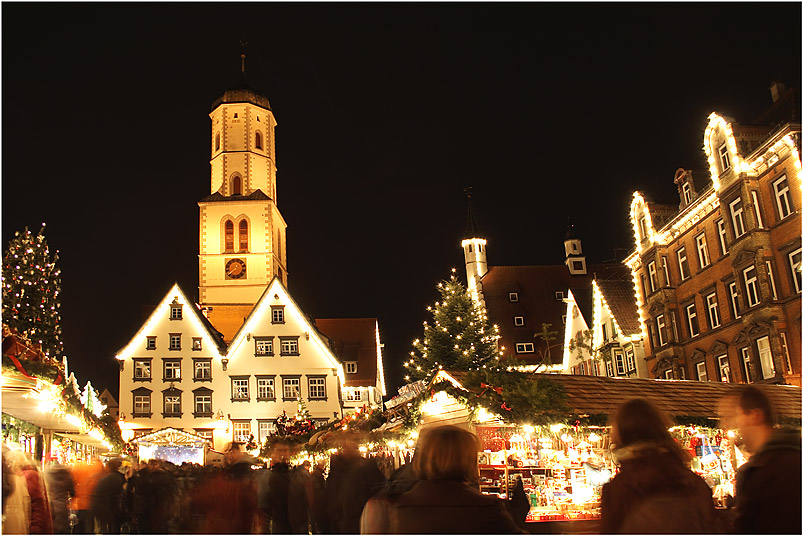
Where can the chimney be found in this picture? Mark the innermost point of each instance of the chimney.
(777, 89)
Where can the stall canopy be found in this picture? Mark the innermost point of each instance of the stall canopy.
(176, 446)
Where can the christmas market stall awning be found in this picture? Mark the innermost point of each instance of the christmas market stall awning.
(170, 436)
(38, 402)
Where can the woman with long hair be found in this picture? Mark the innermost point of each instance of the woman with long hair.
(446, 498)
(655, 491)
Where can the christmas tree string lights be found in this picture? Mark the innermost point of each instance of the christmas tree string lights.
(31, 288)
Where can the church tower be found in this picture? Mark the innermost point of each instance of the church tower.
(573, 246)
(475, 255)
(242, 233)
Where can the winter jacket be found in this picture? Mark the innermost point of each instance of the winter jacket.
(438, 507)
(352, 481)
(655, 492)
(17, 507)
(60, 487)
(768, 487)
(41, 522)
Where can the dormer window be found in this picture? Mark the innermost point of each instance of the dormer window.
(724, 158)
(175, 312)
(686, 192)
(642, 225)
(351, 367)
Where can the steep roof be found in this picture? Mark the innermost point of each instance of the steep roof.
(256, 195)
(353, 339)
(536, 287)
(621, 299)
(242, 92)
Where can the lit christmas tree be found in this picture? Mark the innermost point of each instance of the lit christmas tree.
(458, 337)
(31, 288)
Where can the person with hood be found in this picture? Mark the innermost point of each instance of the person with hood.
(768, 485)
(60, 488)
(655, 491)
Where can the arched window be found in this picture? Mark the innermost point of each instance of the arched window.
(243, 235)
(229, 236)
(258, 140)
(217, 141)
(236, 185)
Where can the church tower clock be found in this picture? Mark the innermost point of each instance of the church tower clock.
(242, 233)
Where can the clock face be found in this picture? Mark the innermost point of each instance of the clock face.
(235, 269)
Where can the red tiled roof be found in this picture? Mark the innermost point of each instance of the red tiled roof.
(353, 339)
(536, 287)
(621, 299)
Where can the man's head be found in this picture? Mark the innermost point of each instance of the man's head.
(753, 416)
(280, 452)
(232, 453)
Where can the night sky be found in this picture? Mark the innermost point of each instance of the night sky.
(386, 112)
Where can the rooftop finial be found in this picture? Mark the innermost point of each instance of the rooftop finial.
(243, 44)
(472, 228)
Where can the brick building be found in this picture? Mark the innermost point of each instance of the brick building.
(718, 278)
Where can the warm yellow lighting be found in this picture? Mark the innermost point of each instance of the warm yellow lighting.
(555, 428)
(593, 437)
(528, 429)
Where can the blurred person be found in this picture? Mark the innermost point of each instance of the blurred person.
(107, 498)
(86, 476)
(39, 521)
(155, 498)
(60, 489)
(768, 485)
(655, 491)
(445, 498)
(315, 488)
(282, 493)
(229, 499)
(17, 504)
(352, 481)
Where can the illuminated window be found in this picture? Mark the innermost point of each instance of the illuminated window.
(653, 276)
(229, 235)
(239, 388)
(263, 346)
(737, 217)
(243, 235)
(236, 185)
(724, 158)
(258, 140)
(172, 403)
(289, 345)
(782, 197)
(202, 403)
(663, 336)
(630, 356)
(702, 251)
(525, 348)
(691, 316)
(751, 286)
(142, 402)
(757, 209)
(316, 386)
(712, 308)
(175, 312)
(354, 395)
(771, 278)
(175, 341)
(665, 267)
(683, 264)
(172, 370)
(277, 314)
(265, 388)
(142, 369)
(291, 388)
(604, 332)
(702, 373)
(351, 367)
(724, 369)
(765, 358)
(686, 191)
(669, 374)
(266, 429)
(518, 321)
(197, 343)
(619, 358)
(733, 291)
(241, 430)
(748, 373)
(723, 237)
(609, 368)
(642, 225)
(202, 369)
(150, 343)
(795, 266)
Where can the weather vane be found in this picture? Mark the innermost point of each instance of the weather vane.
(243, 44)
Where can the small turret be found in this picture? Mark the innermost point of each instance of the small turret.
(474, 252)
(573, 246)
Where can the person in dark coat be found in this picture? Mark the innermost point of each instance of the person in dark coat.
(315, 501)
(155, 496)
(283, 494)
(107, 498)
(768, 485)
(352, 481)
(655, 491)
(446, 498)
(60, 488)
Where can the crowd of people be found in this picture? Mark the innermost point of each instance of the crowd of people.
(654, 491)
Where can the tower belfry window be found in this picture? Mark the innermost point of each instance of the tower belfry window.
(236, 185)
(258, 140)
(229, 245)
(217, 141)
(243, 235)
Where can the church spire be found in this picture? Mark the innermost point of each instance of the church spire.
(472, 227)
